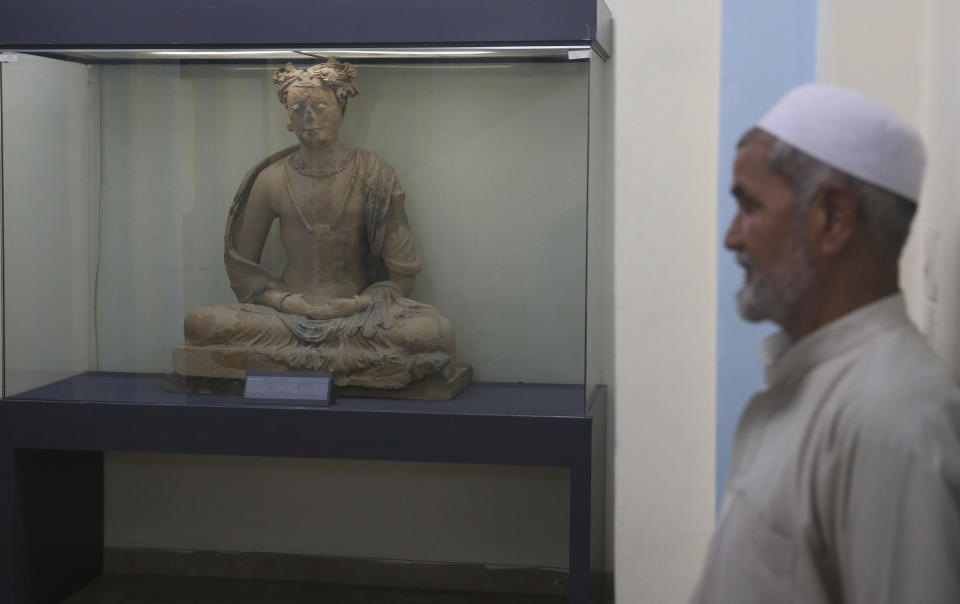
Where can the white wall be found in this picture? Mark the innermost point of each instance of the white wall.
(667, 60)
(874, 46)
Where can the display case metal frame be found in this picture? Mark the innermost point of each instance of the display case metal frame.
(253, 23)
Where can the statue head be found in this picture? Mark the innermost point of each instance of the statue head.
(316, 99)
(332, 74)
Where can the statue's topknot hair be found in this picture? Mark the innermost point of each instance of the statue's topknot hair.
(332, 74)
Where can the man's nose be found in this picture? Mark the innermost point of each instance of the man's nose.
(733, 240)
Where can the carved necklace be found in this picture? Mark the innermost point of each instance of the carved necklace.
(297, 163)
(320, 231)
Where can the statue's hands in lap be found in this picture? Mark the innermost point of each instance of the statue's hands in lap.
(297, 304)
(382, 304)
(383, 308)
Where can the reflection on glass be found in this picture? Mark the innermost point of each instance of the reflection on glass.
(118, 176)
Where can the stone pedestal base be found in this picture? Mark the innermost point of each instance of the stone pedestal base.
(224, 362)
(222, 370)
(429, 389)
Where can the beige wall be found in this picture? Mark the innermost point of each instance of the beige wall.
(667, 97)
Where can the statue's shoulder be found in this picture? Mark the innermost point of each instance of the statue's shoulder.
(274, 160)
(273, 169)
(255, 179)
(269, 170)
(373, 165)
(368, 159)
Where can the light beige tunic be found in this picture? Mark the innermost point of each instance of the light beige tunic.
(844, 482)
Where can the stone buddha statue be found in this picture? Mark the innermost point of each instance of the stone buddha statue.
(340, 304)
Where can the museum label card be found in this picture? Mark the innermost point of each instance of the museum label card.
(280, 387)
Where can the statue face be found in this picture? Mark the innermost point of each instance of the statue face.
(315, 116)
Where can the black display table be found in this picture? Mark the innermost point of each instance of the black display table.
(53, 439)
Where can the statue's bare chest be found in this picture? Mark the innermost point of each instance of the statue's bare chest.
(325, 207)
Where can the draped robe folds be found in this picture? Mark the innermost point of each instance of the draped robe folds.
(394, 341)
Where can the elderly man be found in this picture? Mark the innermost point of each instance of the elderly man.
(844, 482)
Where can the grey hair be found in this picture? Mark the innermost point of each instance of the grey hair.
(887, 215)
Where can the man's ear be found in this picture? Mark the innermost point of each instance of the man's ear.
(831, 219)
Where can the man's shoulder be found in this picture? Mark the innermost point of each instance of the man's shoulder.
(900, 362)
(896, 389)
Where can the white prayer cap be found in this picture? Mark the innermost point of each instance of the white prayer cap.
(852, 133)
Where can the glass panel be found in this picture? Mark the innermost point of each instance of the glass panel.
(599, 359)
(120, 167)
(50, 170)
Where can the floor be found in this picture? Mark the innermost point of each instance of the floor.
(125, 589)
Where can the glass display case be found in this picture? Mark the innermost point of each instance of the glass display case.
(120, 167)
(127, 139)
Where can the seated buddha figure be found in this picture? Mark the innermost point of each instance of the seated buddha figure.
(340, 304)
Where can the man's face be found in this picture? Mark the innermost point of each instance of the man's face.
(767, 236)
(314, 114)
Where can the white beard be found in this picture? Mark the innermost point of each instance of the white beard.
(776, 295)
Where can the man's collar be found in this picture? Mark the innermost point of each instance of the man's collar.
(783, 357)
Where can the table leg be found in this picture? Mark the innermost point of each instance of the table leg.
(53, 523)
(580, 531)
